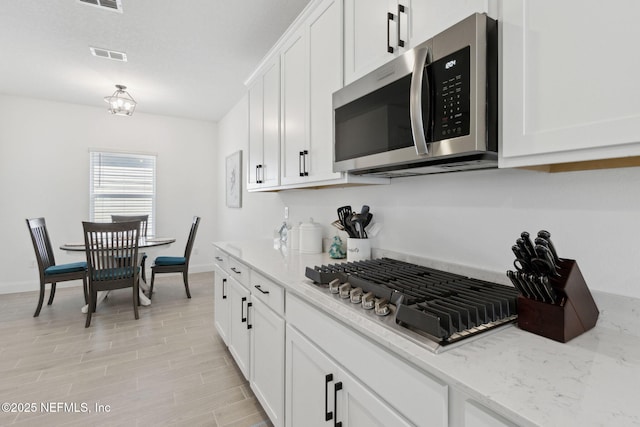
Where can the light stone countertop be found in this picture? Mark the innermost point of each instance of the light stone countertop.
(593, 380)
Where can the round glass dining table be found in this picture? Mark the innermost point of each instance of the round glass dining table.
(143, 242)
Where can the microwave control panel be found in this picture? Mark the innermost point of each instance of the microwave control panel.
(450, 77)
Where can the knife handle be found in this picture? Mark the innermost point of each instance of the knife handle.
(526, 238)
(547, 236)
(545, 257)
(527, 255)
(516, 284)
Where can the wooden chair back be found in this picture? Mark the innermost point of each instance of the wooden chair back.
(112, 251)
(41, 243)
(191, 239)
(144, 220)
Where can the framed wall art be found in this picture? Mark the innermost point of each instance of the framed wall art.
(234, 180)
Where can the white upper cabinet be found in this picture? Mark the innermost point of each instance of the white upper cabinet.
(569, 81)
(264, 129)
(311, 72)
(378, 30)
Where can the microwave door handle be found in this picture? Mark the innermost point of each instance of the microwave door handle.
(415, 102)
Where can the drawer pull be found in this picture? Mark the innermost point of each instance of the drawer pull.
(242, 316)
(224, 291)
(328, 416)
(235, 271)
(337, 387)
(260, 289)
(219, 259)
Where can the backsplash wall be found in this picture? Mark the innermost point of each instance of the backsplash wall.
(469, 218)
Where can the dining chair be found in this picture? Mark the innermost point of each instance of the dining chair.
(112, 253)
(144, 220)
(49, 271)
(171, 264)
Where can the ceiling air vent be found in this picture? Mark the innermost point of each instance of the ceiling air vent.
(113, 5)
(108, 54)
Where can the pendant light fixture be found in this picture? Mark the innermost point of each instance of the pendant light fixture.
(121, 103)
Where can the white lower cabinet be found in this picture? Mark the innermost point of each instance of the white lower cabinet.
(320, 393)
(240, 326)
(249, 311)
(403, 395)
(221, 303)
(267, 360)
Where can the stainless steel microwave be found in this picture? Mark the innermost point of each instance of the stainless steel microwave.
(433, 109)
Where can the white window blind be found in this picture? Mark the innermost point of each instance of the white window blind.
(122, 184)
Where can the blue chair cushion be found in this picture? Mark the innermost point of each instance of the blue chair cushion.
(170, 260)
(115, 273)
(65, 268)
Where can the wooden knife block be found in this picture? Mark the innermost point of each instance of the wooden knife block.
(576, 314)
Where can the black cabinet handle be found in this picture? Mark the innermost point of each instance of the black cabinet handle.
(328, 416)
(305, 154)
(336, 389)
(401, 9)
(235, 271)
(260, 289)
(249, 325)
(389, 19)
(224, 291)
(300, 157)
(219, 259)
(242, 316)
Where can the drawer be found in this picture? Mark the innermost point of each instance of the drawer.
(239, 271)
(221, 259)
(419, 397)
(268, 292)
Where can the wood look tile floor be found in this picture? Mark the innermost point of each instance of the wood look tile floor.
(168, 368)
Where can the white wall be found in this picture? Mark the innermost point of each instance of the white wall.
(44, 171)
(260, 212)
(469, 218)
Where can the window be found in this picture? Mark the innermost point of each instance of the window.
(122, 184)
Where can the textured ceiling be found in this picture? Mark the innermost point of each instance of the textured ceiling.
(186, 58)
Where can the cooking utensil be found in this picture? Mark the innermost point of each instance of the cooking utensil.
(337, 224)
(344, 212)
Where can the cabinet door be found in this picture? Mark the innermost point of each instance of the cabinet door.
(376, 31)
(568, 88)
(426, 18)
(221, 303)
(240, 325)
(365, 37)
(267, 360)
(309, 378)
(357, 406)
(270, 174)
(325, 77)
(256, 139)
(295, 83)
(318, 391)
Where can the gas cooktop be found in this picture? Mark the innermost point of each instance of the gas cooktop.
(444, 308)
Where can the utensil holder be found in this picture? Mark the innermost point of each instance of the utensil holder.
(577, 312)
(358, 249)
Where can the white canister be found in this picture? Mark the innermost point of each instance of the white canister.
(358, 249)
(294, 237)
(310, 237)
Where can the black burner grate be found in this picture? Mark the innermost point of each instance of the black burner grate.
(446, 306)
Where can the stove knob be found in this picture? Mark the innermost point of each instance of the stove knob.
(356, 295)
(368, 301)
(382, 307)
(344, 290)
(334, 286)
